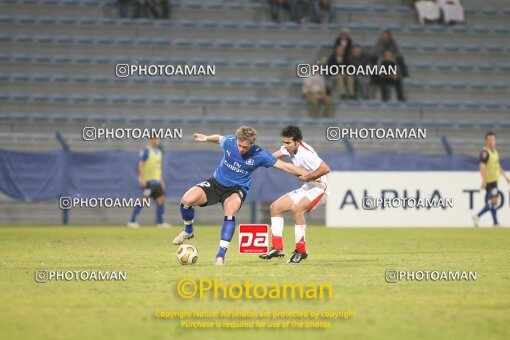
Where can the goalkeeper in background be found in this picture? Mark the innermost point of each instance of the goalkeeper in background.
(490, 171)
(150, 178)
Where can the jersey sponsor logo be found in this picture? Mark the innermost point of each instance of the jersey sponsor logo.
(236, 167)
(253, 238)
(250, 161)
(228, 153)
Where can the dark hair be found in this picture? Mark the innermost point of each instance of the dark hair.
(293, 132)
(490, 133)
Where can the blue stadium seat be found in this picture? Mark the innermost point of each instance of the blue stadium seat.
(457, 85)
(380, 8)
(99, 99)
(105, 40)
(20, 77)
(59, 98)
(208, 24)
(416, 28)
(119, 99)
(500, 86)
(84, 40)
(245, 43)
(451, 104)
(308, 45)
(42, 58)
(233, 101)
(138, 100)
(266, 44)
(21, 58)
(270, 25)
(469, 104)
(492, 104)
(225, 43)
(472, 48)
(22, 38)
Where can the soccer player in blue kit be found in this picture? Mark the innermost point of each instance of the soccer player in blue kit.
(230, 183)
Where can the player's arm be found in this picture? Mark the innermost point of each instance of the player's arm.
(289, 168)
(277, 154)
(484, 158)
(322, 170)
(204, 138)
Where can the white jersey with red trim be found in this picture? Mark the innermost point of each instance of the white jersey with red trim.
(307, 158)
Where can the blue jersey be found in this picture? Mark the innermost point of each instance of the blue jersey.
(236, 169)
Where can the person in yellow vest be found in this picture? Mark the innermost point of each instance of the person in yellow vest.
(150, 177)
(490, 170)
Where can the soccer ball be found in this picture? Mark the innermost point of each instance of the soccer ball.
(187, 254)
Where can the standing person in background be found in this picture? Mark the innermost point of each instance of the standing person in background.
(150, 178)
(490, 170)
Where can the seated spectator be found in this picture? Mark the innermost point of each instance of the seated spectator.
(361, 82)
(317, 9)
(387, 43)
(390, 80)
(277, 6)
(316, 94)
(427, 10)
(344, 82)
(344, 39)
(452, 10)
(157, 9)
(124, 8)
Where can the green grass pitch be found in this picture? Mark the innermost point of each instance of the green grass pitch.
(353, 261)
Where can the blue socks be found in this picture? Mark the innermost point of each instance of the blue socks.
(187, 214)
(137, 210)
(227, 232)
(494, 216)
(160, 211)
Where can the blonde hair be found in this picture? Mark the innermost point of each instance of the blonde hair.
(246, 133)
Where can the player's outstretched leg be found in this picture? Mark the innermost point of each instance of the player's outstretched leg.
(194, 196)
(230, 207)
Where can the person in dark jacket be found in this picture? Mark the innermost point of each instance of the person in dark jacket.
(344, 82)
(387, 43)
(344, 39)
(385, 81)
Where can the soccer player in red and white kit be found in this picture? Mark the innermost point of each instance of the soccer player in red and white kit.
(311, 195)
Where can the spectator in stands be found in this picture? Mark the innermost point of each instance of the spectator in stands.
(317, 8)
(344, 82)
(390, 80)
(362, 82)
(124, 8)
(277, 6)
(387, 43)
(157, 9)
(344, 39)
(316, 94)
